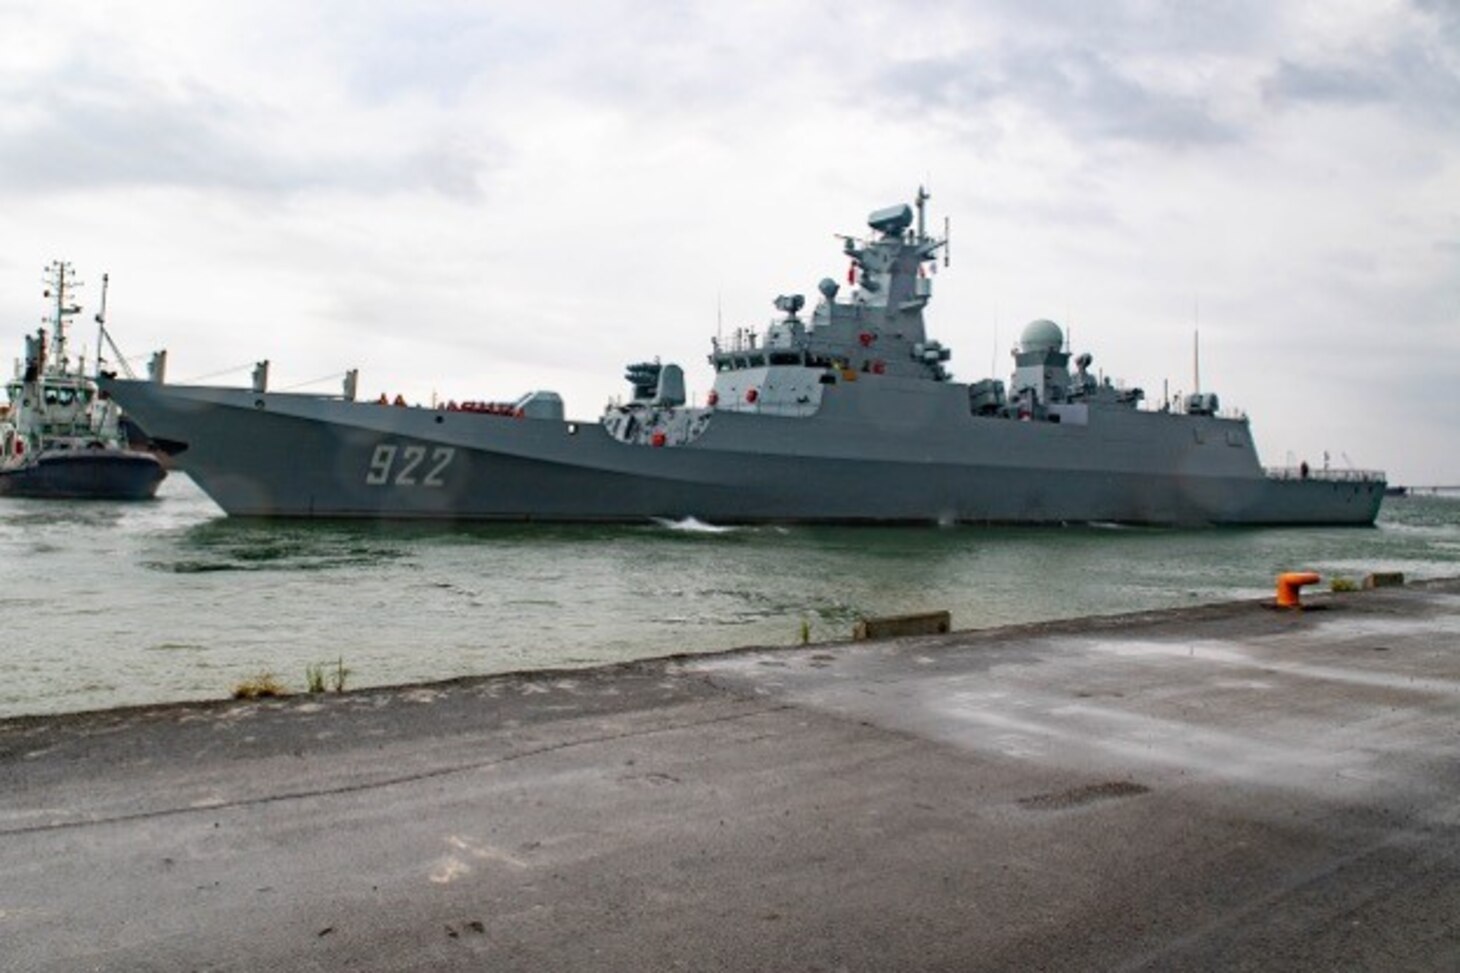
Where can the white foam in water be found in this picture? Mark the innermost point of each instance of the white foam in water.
(692, 525)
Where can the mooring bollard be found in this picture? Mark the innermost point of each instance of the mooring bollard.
(898, 626)
(1289, 586)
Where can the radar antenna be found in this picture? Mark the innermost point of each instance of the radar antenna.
(60, 281)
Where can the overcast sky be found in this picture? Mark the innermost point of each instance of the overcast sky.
(476, 199)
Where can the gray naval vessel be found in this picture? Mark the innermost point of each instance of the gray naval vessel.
(845, 414)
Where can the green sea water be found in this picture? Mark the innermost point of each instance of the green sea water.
(115, 604)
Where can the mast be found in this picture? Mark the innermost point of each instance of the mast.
(1196, 360)
(101, 323)
(60, 279)
(1196, 345)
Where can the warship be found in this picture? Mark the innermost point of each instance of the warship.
(845, 414)
(59, 437)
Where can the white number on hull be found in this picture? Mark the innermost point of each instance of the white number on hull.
(412, 459)
(442, 455)
(383, 465)
(380, 464)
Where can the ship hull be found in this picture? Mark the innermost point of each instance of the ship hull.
(90, 474)
(864, 460)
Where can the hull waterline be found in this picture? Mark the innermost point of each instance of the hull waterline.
(99, 474)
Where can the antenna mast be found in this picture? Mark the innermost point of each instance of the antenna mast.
(101, 324)
(1196, 360)
(104, 337)
(59, 279)
(1196, 346)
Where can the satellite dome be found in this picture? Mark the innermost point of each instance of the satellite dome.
(1042, 335)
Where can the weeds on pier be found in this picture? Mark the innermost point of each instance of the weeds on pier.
(339, 675)
(261, 686)
(315, 675)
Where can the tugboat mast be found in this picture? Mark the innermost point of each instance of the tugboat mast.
(60, 279)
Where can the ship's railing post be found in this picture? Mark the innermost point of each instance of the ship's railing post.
(1341, 476)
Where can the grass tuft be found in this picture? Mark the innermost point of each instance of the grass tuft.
(340, 675)
(264, 685)
(314, 677)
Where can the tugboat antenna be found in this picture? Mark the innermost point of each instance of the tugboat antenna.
(61, 271)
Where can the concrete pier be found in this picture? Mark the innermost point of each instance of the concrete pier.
(1220, 788)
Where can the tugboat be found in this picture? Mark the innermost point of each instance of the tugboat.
(60, 437)
(845, 412)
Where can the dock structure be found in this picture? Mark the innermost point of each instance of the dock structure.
(1215, 788)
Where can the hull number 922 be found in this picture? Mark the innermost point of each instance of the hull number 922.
(410, 464)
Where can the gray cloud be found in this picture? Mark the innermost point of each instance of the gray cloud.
(1331, 83)
(99, 131)
(1411, 78)
(102, 131)
(1419, 72)
(440, 51)
(1085, 93)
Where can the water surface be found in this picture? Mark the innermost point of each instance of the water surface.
(106, 604)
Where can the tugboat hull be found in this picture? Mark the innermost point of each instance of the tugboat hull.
(93, 474)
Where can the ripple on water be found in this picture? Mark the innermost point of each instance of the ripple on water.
(171, 600)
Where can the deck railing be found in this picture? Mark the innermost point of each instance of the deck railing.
(1342, 476)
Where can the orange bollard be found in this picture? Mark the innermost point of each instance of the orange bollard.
(1289, 585)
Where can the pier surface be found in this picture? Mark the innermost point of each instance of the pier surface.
(1219, 788)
